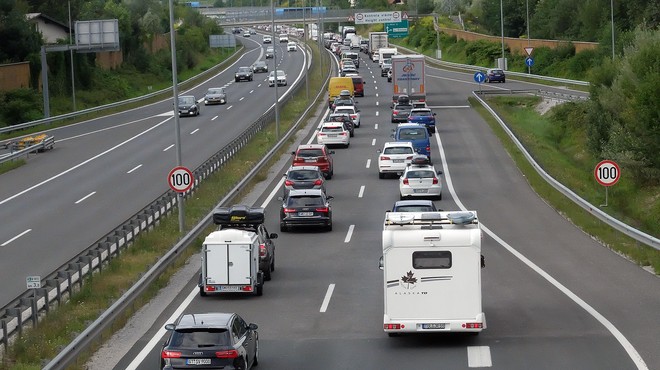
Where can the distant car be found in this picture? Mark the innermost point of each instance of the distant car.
(284, 37)
(291, 46)
(423, 116)
(188, 106)
(394, 158)
(306, 208)
(414, 205)
(352, 111)
(243, 74)
(236, 30)
(333, 133)
(389, 75)
(215, 95)
(260, 67)
(358, 85)
(268, 40)
(416, 134)
(315, 155)
(495, 74)
(400, 112)
(385, 66)
(342, 101)
(303, 177)
(420, 179)
(281, 78)
(349, 71)
(344, 118)
(210, 340)
(270, 52)
(252, 32)
(355, 57)
(246, 33)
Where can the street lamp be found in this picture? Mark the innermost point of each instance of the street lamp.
(502, 30)
(277, 112)
(612, 20)
(175, 98)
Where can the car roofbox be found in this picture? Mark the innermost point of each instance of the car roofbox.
(237, 215)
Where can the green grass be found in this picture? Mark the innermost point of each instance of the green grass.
(61, 326)
(10, 165)
(563, 157)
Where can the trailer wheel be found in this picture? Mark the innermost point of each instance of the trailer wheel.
(391, 335)
(202, 293)
(260, 289)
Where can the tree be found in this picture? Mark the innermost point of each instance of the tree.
(19, 38)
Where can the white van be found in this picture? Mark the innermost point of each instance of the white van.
(432, 272)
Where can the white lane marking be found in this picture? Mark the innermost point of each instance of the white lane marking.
(373, 142)
(194, 131)
(375, 87)
(375, 126)
(259, 85)
(625, 343)
(229, 107)
(214, 118)
(16, 237)
(479, 356)
(168, 148)
(85, 197)
(377, 103)
(361, 193)
(161, 332)
(349, 234)
(448, 106)
(82, 163)
(368, 163)
(326, 300)
(376, 94)
(377, 113)
(241, 99)
(272, 193)
(251, 91)
(134, 168)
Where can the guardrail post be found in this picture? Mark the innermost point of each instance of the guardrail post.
(16, 312)
(56, 284)
(67, 275)
(5, 334)
(43, 292)
(77, 267)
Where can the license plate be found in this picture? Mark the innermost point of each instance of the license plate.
(310, 160)
(434, 326)
(420, 190)
(332, 135)
(305, 214)
(230, 288)
(198, 361)
(397, 160)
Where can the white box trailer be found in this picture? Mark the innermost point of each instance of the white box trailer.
(230, 263)
(409, 76)
(432, 273)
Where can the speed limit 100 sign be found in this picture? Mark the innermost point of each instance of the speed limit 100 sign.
(607, 173)
(180, 179)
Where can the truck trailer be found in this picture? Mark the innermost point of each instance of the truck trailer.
(432, 272)
(377, 40)
(408, 77)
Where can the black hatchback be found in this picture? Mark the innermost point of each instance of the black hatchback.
(310, 207)
(210, 341)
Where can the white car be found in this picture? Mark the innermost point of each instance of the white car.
(375, 57)
(246, 33)
(284, 37)
(352, 111)
(394, 158)
(268, 40)
(281, 78)
(291, 46)
(333, 133)
(420, 179)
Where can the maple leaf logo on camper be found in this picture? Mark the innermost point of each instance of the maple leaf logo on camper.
(409, 280)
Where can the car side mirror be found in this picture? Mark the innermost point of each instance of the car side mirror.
(273, 235)
(169, 327)
(378, 151)
(280, 198)
(294, 153)
(357, 110)
(332, 152)
(439, 172)
(434, 114)
(380, 262)
(329, 197)
(253, 326)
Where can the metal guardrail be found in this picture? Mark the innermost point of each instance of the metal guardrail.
(46, 144)
(26, 309)
(103, 107)
(537, 92)
(472, 68)
(638, 235)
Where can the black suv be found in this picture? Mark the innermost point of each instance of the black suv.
(210, 340)
(247, 218)
(243, 74)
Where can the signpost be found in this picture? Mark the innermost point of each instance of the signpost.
(529, 61)
(34, 283)
(180, 179)
(377, 17)
(479, 77)
(397, 30)
(607, 173)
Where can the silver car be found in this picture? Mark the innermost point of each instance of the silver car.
(303, 177)
(215, 95)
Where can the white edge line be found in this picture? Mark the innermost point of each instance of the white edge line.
(16, 237)
(627, 346)
(326, 300)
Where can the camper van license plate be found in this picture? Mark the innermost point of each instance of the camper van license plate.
(434, 326)
(229, 288)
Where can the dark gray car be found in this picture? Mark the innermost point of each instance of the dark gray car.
(188, 106)
(303, 177)
(215, 95)
(400, 112)
(243, 74)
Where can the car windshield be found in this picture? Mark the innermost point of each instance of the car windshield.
(414, 208)
(421, 113)
(398, 150)
(345, 110)
(200, 338)
(244, 69)
(304, 201)
(420, 174)
(332, 129)
(310, 153)
(186, 100)
(260, 64)
(303, 175)
(279, 74)
(401, 106)
(412, 134)
(215, 91)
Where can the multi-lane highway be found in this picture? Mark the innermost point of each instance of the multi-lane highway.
(553, 297)
(103, 171)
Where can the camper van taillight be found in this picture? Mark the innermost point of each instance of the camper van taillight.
(473, 325)
(393, 326)
(247, 288)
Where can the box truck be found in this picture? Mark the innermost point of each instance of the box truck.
(377, 40)
(408, 76)
(432, 272)
(230, 256)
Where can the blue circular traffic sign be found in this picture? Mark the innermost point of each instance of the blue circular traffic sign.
(479, 77)
(529, 61)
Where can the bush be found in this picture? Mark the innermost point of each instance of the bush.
(21, 105)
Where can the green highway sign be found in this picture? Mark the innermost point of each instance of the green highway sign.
(397, 30)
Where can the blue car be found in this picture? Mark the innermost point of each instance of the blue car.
(423, 116)
(495, 74)
(416, 134)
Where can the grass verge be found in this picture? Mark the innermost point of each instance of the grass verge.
(56, 330)
(568, 164)
(10, 165)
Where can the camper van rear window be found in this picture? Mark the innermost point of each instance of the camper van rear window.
(431, 260)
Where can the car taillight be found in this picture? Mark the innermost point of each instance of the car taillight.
(435, 180)
(321, 160)
(353, 116)
(289, 210)
(170, 354)
(232, 353)
(428, 149)
(384, 158)
(318, 182)
(405, 181)
(395, 112)
(322, 209)
(262, 250)
(320, 134)
(343, 133)
(289, 183)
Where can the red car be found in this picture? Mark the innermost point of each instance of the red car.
(315, 155)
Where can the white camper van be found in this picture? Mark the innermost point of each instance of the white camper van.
(230, 256)
(432, 272)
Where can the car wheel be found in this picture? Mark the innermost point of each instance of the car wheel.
(392, 335)
(283, 228)
(255, 360)
(242, 365)
(267, 276)
(236, 80)
(328, 227)
(272, 263)
(381, 175)
(259, 293)
(503, 81)
(251, 78)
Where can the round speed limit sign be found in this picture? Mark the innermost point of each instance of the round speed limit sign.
(180, 179)
(607, 173)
